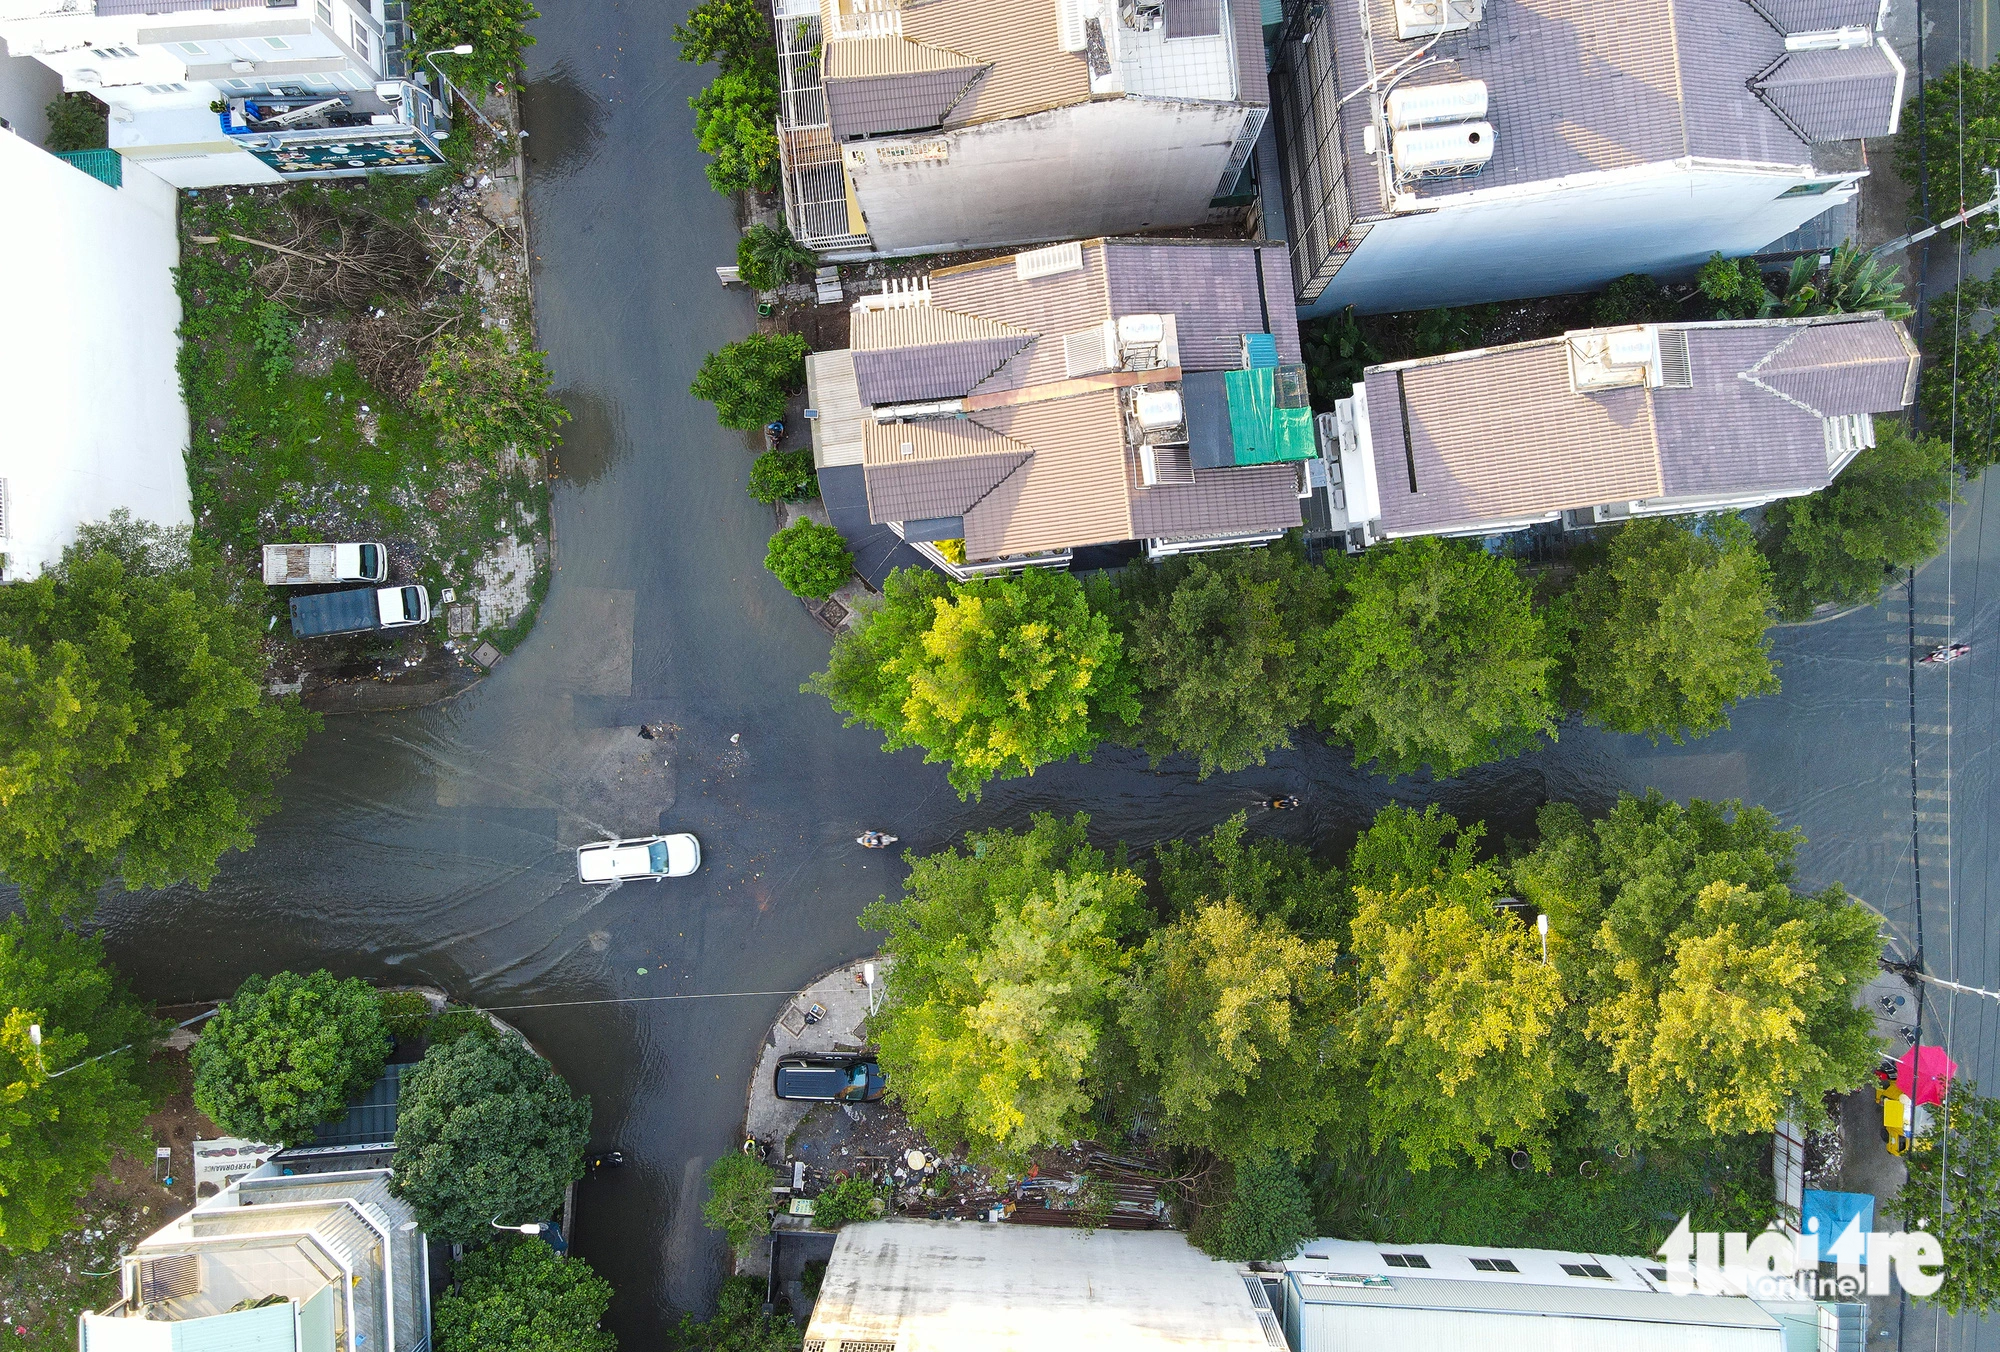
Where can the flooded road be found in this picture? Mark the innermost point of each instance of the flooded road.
(434, 846)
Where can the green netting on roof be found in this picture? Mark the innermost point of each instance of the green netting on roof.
(1270, 417)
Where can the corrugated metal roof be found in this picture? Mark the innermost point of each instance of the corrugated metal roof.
(1253, 81)
(932, 439)
(1064, 303)
(1817, 16)
(1193, 18)
(1506, 1317)
(1833, 95)
(834, 395)
(921, 490)
(109, 8)
(922, 325)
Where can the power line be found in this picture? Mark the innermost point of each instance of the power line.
(634, 1000)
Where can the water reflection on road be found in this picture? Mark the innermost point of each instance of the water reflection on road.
(435, 845)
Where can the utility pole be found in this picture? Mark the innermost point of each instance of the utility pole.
(1905, 241)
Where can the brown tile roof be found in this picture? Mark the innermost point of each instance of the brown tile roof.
(1502, 435)
(1065, 303)
(1832, 95)
(1072, 492)
(1029, 71)
(1219, 502)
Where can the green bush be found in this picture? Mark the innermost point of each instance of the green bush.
(406, 1014)
(1850, 283)
(288, 1052)
(847, 1200)
(497, 30)
(1634, 298)
(739, 1324)
(520, 1295)
(735, 120)
(1266, 1217)
(1734, 287)
(810, 559)
(485, 1128)
(751, 380)
(77, 122)
(734, 34)
(767, 257)
(784, 476)
(488, 395)
(1956, 142)
(1959, 393)
(739, 1198)
(1885, 511)
(272, 332)
(1337, 352)
(456, 1022)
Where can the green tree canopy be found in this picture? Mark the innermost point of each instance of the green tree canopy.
(1273, 878)
(1886, 510)
(738, 1325)
(77, 122)
(750, 380)
(995, 677)
(1212, 640)
(767, 256)
(58, 1131)
(486, 1128)
(288, 1052)
(1668, 632)
(1711, 997)
(497, 30)
(1458, 1015)
(520, 1295)
(1952, 1191)
(136, 739)
(1439, 659)
(1266, 1215)
(1954, 158)
(784, 476)
(1959, 391)
(739, 1197)
(735, 121)
(487, 394)
(1404, 848)
(1234, 1017)
(734, 34)
(1734, 287)
(1008, 959)
(811, 559)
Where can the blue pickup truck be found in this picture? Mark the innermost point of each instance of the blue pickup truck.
(359, 610)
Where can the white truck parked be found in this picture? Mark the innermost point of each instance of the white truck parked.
(300, 565)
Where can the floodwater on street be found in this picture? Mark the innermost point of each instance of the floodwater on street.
(434, 846)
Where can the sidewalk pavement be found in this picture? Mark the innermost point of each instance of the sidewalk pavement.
(843, 1029)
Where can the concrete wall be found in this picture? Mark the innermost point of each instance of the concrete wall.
(26, 86)
(1510, 243)
(1091, 169)
(92, 405)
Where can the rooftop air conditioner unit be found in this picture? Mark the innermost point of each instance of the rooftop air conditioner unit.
(1459, 101)
(1422, 18)
(1456, 147)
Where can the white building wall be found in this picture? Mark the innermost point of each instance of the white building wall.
(26, 86)
(1089, 169)
(93, 418)
(1570, 235)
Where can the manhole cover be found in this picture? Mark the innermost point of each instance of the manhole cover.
(486, 655)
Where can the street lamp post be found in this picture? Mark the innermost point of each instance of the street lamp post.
(1542, 924)
(463, 49)
(533, 1228)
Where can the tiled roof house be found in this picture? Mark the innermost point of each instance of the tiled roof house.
(1076, 395)
(1542, 146)
(1600, 425)
(920, 125)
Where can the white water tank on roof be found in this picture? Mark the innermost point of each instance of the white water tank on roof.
(1158, 409)
(1458, 101)
(1134, 330)
(1455, 145)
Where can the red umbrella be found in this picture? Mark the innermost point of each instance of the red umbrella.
(1932, 1070)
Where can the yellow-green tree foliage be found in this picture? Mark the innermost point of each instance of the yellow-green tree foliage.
(1007, 961)
(1235, 1016)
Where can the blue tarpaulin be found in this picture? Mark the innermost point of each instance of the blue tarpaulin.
(1828, 1214)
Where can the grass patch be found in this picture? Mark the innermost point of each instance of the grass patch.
(1627, 1207)
(284, 447)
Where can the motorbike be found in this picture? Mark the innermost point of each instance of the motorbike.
(874, 840)
(1945, 653)
(1290, 800)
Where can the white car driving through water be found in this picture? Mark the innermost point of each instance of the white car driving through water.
(617, 861)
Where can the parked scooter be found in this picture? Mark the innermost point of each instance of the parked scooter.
(874, 840)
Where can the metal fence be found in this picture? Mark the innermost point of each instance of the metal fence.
(106, 166)
(815, 185)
